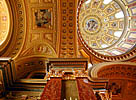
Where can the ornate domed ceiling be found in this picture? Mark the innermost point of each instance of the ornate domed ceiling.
(4, 21)
(104, 26)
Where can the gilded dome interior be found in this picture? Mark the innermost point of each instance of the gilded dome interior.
(104, 26)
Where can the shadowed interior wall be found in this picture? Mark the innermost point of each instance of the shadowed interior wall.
(69, 90)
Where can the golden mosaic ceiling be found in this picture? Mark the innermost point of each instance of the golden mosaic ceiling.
(104, 26)
(4, 21)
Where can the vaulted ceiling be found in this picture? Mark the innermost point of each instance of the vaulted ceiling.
(41, 29)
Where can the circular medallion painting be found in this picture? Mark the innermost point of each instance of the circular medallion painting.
(92, 25)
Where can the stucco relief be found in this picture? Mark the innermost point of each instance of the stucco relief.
(39, 49)
(41, 28)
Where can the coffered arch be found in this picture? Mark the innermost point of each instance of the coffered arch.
(17, 29)
(6, 23)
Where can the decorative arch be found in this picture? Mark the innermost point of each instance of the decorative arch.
(17, 31)
(6, 24)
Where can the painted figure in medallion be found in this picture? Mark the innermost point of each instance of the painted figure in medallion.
(92, 25)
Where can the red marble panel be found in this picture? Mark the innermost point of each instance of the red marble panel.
(52, 90)
(84, 89)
